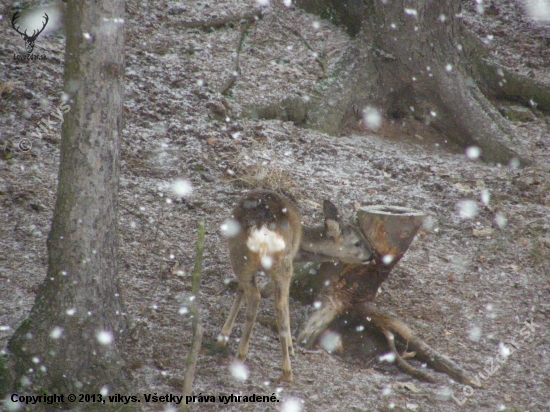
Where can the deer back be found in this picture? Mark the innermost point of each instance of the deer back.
(269, 229)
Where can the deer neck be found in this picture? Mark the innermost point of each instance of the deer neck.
(316, 245)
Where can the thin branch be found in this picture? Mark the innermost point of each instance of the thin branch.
(402, 364)
(236, 69)
(308, 45)
(191, 362)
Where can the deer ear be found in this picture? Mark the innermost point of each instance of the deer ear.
(333, 228)
(330, 210)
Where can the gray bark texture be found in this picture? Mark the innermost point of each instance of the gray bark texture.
(411, 59)
(80, 296)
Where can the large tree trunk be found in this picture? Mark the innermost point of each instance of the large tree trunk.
(411, 60)
(71, 341)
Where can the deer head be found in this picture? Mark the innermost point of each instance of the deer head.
(29, 40)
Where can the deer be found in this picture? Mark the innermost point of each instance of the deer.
(265, 234)
(29, 40)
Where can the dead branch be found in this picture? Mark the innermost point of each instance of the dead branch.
(236, 69)
(191, 362)
(402, 364)
(308, 45)
(218, 22)
(437, 361)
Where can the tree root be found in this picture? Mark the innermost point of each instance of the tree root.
(402, 364)
(215, 23)
(391, 325)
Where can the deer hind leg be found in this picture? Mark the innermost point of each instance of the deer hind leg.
(252, 297)
(228, 325)
(281, 280)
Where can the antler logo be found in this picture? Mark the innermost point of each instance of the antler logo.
(29, 40)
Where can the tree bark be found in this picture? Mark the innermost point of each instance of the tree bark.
(410, 60)
(71, 341)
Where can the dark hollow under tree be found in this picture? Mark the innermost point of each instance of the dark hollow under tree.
(414, 59)
(71, 341)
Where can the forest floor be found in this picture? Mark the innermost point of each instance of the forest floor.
(465, 294)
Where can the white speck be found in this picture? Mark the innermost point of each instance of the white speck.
(467, 209)
(230, 228)
(411, 12)
(388, 357)
(473, 152)
(87, 36)
(200, 82)
(4, 328)
(442, 18)
(387, 390)
(434, 114)
(267, 262)
(183, 310)
(71, 311)
(538, 10)
(500, 220)
(239, 371)
(372, 118)
(387, 259)
(504, 350)
(316, 25)
(514, 163)
(360, 328)
(485, 196)
(105, 337)
(287, 3)
(56, 332)
(291, 405)
(480, 9)
(449, 67)
(459, 47)
(182, 187)
(330, 341)
(475, 333)
(35, 360)
(317, 304)
(429, 223)
(393, 26)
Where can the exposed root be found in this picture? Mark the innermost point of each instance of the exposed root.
(433, 358)
(402, 364)
(216, 23)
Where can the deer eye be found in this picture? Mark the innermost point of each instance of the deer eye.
(357, 244)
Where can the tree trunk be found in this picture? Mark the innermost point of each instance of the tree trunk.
(410, 59)
(71, 341)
